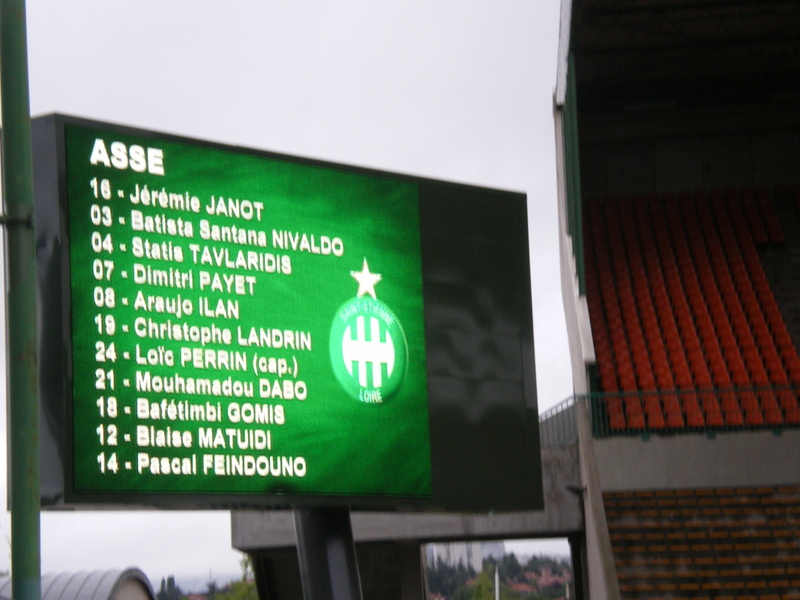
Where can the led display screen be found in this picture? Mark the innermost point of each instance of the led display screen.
(230, 327)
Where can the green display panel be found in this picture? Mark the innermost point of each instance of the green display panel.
(240, 324)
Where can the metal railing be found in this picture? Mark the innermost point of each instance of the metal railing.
(707, 411)
(558, 426)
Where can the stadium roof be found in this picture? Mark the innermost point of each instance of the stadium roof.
(128, 584)
(658, 53)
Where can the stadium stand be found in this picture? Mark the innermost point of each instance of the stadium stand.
(729, 542)
(678, 138)
(714, 311)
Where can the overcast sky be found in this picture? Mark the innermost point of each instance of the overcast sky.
(459, 90)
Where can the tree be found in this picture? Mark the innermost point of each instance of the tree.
(168, 590)
(445, 579)
(483, 589)
(242, 589)
(510, 569)
(238, 590)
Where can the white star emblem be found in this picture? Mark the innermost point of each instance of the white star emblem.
(366, 281)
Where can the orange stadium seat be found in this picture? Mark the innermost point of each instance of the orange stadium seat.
(682, 311)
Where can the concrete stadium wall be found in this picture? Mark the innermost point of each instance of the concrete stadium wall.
(562, 516)
(388, 545)
(735, 459)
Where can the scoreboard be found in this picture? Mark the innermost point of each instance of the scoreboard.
(226, 327)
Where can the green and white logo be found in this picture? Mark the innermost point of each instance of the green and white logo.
(368, 348)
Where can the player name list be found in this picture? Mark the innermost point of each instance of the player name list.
(191, 374)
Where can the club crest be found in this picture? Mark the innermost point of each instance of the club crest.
(368, 348)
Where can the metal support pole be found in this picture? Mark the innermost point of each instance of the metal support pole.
(23, 398)
(327, 554)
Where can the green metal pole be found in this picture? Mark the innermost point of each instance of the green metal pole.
(23, 398)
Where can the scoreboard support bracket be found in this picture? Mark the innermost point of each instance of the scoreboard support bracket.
(326, 553)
